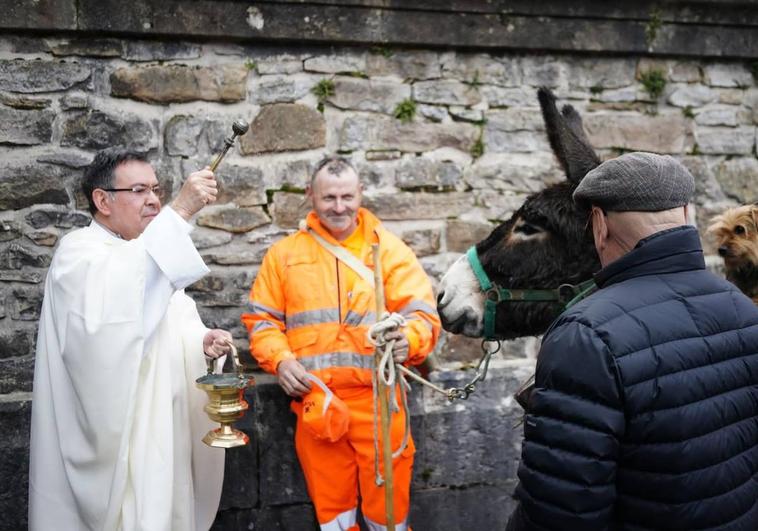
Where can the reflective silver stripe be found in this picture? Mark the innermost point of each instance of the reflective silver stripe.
(417, 306)
(261, 309)
(337, 359)
(356, 319)
(262, 325)
(343, 522)
(312, 317)
(373, 526)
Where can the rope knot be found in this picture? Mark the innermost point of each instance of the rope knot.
(388, 321)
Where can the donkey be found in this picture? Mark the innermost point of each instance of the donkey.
(533, 264)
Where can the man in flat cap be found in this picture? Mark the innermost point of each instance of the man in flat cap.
(644, 413)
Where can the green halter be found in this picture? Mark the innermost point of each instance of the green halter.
(565, 295)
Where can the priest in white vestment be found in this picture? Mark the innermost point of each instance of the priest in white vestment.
(117, 421)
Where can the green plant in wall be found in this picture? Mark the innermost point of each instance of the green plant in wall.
(405, 111)
(323, 90)
(251, 65)
(383, 50)
(652, 27)
(477, 149)
(654, 82)
(688, 112)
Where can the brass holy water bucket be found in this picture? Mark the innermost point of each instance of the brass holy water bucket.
(226, 402)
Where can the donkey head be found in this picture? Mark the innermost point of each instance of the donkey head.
(545, 244)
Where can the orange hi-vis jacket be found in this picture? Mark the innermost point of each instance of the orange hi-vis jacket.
(307, 305)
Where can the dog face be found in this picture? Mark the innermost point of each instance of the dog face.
(736, 233)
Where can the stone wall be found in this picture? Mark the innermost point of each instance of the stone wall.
(448, 143)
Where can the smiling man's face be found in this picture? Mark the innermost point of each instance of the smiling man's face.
(336, 200)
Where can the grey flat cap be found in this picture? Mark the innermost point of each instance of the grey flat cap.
(637, 181)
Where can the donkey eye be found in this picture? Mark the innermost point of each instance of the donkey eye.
(739, 229)
(528, 229)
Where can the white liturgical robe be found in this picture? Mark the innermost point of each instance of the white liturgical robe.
(117, 421)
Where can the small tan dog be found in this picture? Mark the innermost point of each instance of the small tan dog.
(736, 232)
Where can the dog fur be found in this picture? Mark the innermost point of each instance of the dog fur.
(736, 233)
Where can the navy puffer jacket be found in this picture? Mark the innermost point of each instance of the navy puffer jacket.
(645, 408)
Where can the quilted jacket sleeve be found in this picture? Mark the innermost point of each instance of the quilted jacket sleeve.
(572, 431)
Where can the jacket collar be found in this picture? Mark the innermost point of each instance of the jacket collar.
(668, 251)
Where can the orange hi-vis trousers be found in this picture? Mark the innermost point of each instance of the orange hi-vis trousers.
(334, 472)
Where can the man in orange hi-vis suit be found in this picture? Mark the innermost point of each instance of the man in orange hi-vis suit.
(309, 313)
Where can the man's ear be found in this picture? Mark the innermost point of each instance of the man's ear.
(100, 198)
(599, 228)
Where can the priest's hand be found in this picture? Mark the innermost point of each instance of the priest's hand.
(216, 343)
(292, 377)
(198, 190)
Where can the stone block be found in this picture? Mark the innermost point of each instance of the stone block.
(498, 141)
(407, 205)
(280, 89)
(287, 209)
(407, 65)
(621, 95)
(481, 68)
(25, 128)
(16, 374)
(726, 115)
(284, 127)
(725, 140)
(466, 115)
(684, 72)
(420, 172)
(9, 230)
(41, 76)
(27, 302)
(242, 185)
(87, 47)
(662, 133)
(232, 219)
(544, 72)
(517, 172)
(368, 94)
(24, 102)
(281, 478)
(738, 178)
(182, 134)
(432, 112)
(180, 83)
(601, 72)
(508, 97)
(74, 101)
(446, 92)
(384, 133)
(424, 238)
(477, 507)
(16, 340)
(727, 75)
(159, 50)
(60, 217)
(95, 130)
(23, 185)
(497, 206)
(15, 417)
(279, 63)
(460, 235)
(204, 238)
(516, 119)
(692, 96)
(235, 255)
(275, 518)
(71, 159)
(342, 63)
(707, 188)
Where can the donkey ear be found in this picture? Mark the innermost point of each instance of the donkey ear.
(567, 138)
